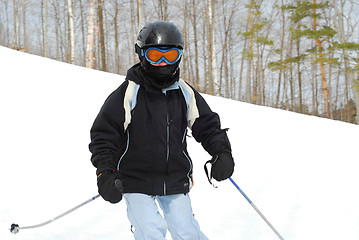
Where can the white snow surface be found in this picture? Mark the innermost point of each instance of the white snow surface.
(300, 171)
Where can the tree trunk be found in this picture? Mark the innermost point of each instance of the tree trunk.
(115, 24)
(243, 57)
(210, 48)
(7, 42)
(281, 56)
(83, 32)
(16, 27)
(299, 77)
(194, 25)
(139, 15)
(24, 26)
(184, 31)
(102, 36)
(212, 64)
(57, 29)
(355, 84)
(205, 57)
(163, 15)
(45, 30)
(90, 36)
(71, 32)
(321, 63)
(133, 29)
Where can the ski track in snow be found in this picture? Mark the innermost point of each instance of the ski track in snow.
(300, 171)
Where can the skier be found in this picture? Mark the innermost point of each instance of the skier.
(138, 140)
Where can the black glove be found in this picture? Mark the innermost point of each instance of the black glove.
(222, 166)
(109, 185)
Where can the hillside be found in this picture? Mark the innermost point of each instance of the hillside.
(300, 171)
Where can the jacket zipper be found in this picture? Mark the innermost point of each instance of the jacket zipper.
(189, 161)
(127, 145)
(167, 147)
(167, 150)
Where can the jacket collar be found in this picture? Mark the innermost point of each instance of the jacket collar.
(137, 74)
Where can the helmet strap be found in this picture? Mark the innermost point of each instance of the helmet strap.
(137, 49)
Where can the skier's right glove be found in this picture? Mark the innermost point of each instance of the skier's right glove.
(109, 185)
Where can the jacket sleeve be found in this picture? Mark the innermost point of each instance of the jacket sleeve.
(207, 129)
(107, 132)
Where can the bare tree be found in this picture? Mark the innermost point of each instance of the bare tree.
(102, 35)
(195, 40)
(163, 6)
(7, 22)
(24, 7)
(55, 6)
(16, 24)
(212, 61)
(44, 12)
(71, 32)
(82, 16)
(139, 15)
(90, 35)
(117, 44)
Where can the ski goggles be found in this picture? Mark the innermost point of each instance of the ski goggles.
(156, 55)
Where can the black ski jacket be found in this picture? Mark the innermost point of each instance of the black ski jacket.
(142, 130)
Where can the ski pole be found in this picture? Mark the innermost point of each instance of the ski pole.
(15, 227)
(257, 210)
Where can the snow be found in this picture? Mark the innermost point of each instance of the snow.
(300, 171)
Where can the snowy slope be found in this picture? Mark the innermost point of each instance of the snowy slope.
(300, 171)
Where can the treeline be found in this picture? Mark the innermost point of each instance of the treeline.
(296, 55)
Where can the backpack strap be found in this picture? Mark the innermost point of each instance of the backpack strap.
(130, 101)
(190, 98)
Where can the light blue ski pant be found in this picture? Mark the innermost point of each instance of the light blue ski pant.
(142, 211)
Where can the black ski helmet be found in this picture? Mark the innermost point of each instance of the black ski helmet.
(159, 33)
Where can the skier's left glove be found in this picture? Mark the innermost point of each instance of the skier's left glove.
(222, 166)
(109, 185)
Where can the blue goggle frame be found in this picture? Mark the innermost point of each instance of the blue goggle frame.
(162, 49)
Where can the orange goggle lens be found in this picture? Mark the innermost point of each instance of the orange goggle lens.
(156, 55)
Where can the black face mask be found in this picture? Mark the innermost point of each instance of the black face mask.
(160, 76)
